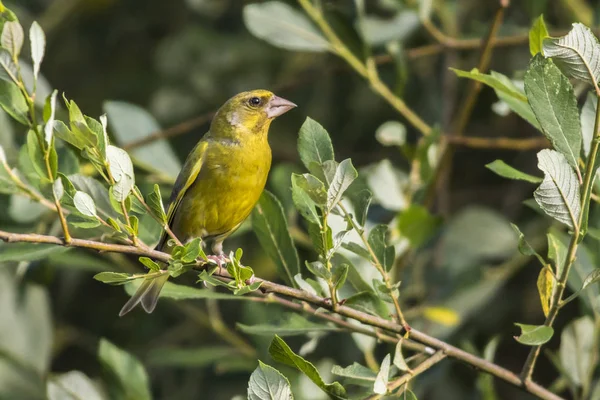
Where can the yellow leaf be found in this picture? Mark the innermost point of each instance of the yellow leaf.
(545, 285)
(442, 315)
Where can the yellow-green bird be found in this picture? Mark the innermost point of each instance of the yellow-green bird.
(221, 180)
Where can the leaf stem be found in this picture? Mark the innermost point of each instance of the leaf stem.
(577, 236)
(377, 264)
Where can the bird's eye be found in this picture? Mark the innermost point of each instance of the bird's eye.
(254, 101)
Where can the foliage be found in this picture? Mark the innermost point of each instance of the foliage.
(374, 270)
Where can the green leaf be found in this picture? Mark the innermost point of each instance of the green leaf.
(288, 325)
(558, 195)
(577, 53)
(576, 349)
(588, 118)
(537, 34)
(399, 360)
(361, 201)
(378, 31)
(356, 374)
(80, 133)
(417, 224)
(318, 269)
(506, 91)
(131, 123)
(58, 190)
(534, 335)
(314, 144)
(73, 385)
(281, 352)
(506, 171)
(11, 101)
(8, 68)
(117, 278)
(383, 376)
(314, 188)
(340, 273)
(95, 189)
(387, 184)
(266, 383)
(553, 102)
(181, 292)
(155, 203)
(12, 37)
(121, 169)
(345, 174)
(358, 250)
(593, 277)
(38, 47)
(26, 346)
(391, 133)
(378, 241)
(150, 264)
(306, 286)
(524, 247)
(283, 26)
(303, 202)
(28, 251)
(124, 373)
(270, 226)
(36, 154)
(49, 127)
(84, 204)
(192, 250)
(368, 302)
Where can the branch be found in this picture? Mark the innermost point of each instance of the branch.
(444, 166)
(176, 130)
(498, 142)
(424, 366)
(577, 236)
(361, 68)
(341, 310)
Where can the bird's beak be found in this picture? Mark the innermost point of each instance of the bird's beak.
(278, 106)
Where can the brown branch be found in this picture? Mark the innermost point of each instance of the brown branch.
(176, 130)
(345, 311)
(444, 167)
(498, 142)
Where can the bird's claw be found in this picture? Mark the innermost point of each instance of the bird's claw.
(219, 259)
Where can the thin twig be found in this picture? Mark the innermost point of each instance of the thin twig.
(175, 130)
(503, 143)
(377, 264)
(342, 310)
(339, 48)
(444, 166)
(424, 366)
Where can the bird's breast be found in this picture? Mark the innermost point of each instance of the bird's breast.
(228, 186)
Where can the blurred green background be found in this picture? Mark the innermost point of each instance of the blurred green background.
(181, 60)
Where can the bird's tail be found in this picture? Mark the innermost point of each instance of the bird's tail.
(147, 294)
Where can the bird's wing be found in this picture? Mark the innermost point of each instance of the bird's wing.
(185, 179)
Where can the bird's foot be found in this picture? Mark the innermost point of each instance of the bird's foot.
(219, 259)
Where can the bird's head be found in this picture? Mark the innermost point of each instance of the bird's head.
(250, 111)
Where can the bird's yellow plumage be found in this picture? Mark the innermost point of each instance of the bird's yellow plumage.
(221, 180)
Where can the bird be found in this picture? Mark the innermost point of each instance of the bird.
(220, 182)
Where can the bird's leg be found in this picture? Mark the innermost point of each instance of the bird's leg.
(218, 256)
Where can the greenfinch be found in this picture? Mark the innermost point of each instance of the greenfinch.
(220, 182)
